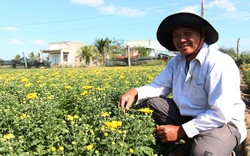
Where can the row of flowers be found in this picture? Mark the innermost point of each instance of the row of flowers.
(74, 112)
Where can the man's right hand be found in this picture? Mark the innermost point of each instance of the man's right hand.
(127, 99)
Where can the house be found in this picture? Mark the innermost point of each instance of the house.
(63, 53)
(153, 45)
(133, 53)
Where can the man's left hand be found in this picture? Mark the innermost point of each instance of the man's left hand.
(169, 133)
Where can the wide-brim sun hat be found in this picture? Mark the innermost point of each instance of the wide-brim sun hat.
(185, 18)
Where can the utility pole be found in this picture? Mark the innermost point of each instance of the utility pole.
(25, 61)
(238, 44)
(128, 51)
(41, 56)
(203, 8)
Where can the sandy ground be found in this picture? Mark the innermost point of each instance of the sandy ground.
(244, 149)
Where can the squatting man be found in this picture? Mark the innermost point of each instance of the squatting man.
(206, 109)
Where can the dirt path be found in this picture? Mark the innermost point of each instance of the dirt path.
(244, 149)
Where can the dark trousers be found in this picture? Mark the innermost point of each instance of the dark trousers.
(215, 142)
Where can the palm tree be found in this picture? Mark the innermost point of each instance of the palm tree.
(88, 53)
(103, 46)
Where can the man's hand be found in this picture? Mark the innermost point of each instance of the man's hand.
(169, 133)
(127, 99)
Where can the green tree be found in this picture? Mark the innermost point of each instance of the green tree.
(88, 53)
(230, 51)
(116, 47)
(244, 58)
(34, 60)
(144, 52)
(1, 62)
(103, 47)
(16, 61)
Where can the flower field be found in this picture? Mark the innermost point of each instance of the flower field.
(74, 112)
(246, 72)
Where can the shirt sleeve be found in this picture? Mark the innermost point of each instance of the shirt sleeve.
(161, 86)
(223, 88)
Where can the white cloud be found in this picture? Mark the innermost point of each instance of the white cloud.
(14, 41)
(111, 9)
(89, 2)
(108, 9)
(229, 10)
(125, 11)
(241, 15)
(9, 28)
(223, 4)
(38, 42)
(130, 11)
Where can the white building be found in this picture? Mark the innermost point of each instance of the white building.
(63, 53)
(154, 45)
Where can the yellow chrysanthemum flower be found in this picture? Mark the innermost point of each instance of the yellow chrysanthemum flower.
(76, 117)
(31, 96)
(131, 150)
(113, 124)
(84, 93)
(24, 80)
(99, 89)
(70, 118)
(105, 114)
(102, 128)
(68, 87)
(87, 87)
(53, 85)
(96, 152)
(53, 149)
(23, 116)
(106, 134)
(122, 77)
(8, 136)
(89, 147)
(146, 111)
(28, 84)
(61, 148)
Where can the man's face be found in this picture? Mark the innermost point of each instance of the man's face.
(188, 41)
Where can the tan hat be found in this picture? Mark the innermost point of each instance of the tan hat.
(188, 19)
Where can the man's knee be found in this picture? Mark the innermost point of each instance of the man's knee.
(154, 103)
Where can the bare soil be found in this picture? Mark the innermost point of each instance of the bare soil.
(244, 148)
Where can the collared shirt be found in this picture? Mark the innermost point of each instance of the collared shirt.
(209, 91)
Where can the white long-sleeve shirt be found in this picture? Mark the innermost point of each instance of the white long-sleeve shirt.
(209, 91)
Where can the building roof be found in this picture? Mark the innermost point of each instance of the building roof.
(152, 44)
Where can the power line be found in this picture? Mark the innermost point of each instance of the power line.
(87, 18)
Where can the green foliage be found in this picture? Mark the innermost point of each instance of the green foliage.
(230, 51)
(246, 72)
(103, 47)
(16, 61)
(88, 53)
(34, 61)
(144, 52)
(1, 62)
(108, 47)
(63, 111)
(244, 58)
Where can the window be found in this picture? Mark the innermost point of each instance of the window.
(55, 59)
(65, 57)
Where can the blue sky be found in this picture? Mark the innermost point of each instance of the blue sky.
(29, 25)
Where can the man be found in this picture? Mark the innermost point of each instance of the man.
(206, 110)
